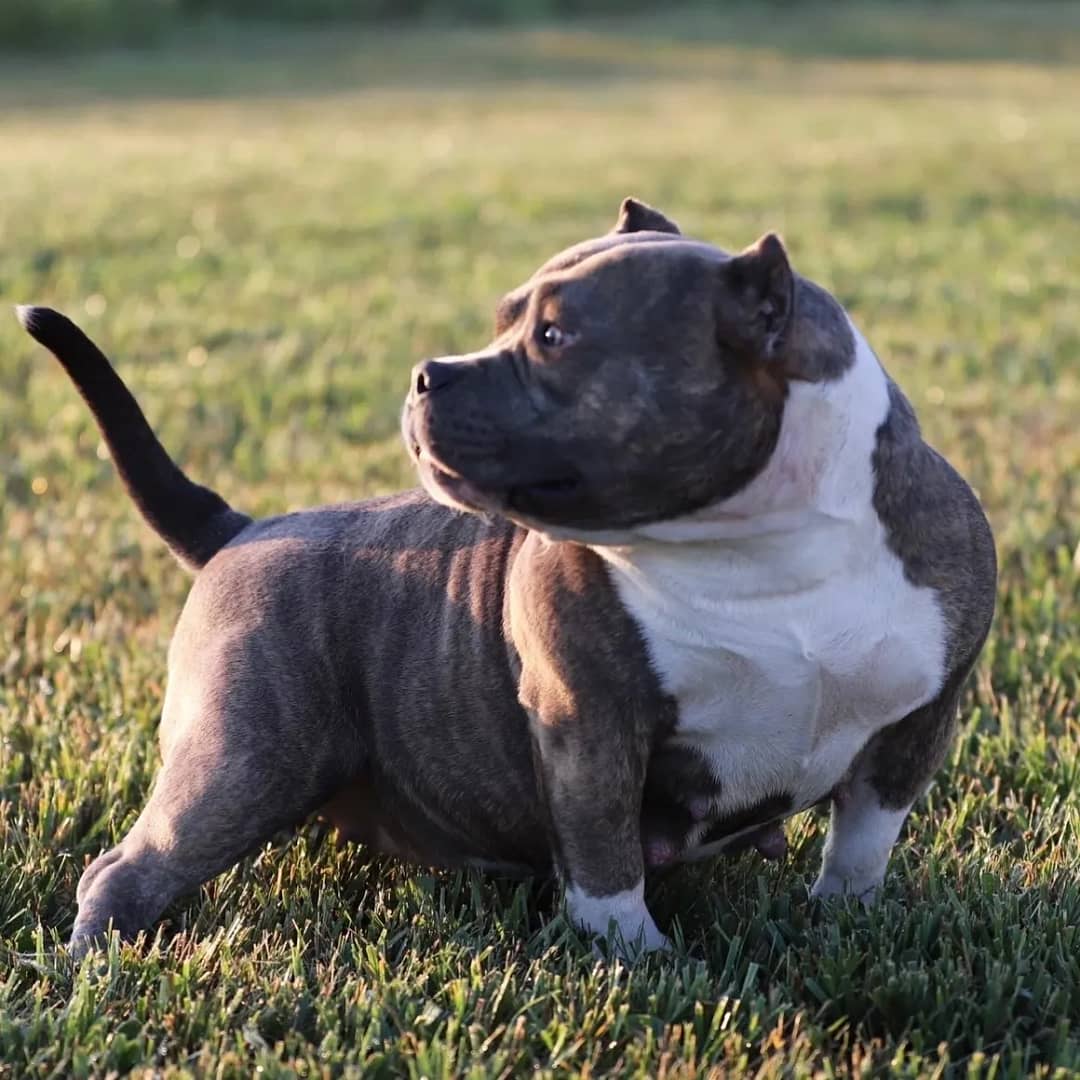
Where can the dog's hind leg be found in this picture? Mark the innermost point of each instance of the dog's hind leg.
(228, 784)
(862, 833)
(869, 808)
(202, 817)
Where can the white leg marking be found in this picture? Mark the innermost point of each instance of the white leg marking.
(634, 926)
(861, 836)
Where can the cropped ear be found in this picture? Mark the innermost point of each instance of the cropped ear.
(758, 297)
(637, 216)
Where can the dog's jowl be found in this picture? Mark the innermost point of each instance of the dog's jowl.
(682, 566)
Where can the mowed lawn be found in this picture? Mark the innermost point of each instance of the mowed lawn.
(265, 229)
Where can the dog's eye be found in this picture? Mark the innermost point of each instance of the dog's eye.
(552, 336)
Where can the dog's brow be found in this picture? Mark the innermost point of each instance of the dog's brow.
(509, 309)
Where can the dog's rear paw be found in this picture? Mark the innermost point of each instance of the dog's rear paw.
(630, 952)
(828, 886)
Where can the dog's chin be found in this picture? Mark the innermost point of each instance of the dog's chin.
(455, 491)
(546, 507)
(537, 505)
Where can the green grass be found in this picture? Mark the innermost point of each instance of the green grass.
(266, 229)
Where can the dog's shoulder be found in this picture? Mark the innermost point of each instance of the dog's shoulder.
(575, 641)
(934, 524)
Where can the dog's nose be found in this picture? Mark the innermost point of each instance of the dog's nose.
(432, 375)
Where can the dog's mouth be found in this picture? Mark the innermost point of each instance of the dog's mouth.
(520, 485)
(543, 496)
(532, 498)
(449, 487)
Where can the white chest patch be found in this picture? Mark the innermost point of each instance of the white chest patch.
(779, 620)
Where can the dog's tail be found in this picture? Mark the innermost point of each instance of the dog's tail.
(194, 521)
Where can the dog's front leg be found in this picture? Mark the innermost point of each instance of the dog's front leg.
(593, 777)
(595, 707)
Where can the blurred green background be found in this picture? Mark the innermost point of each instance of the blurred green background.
(266, 223)
(73, 24)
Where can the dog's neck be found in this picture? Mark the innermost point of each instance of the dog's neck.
(798, 521)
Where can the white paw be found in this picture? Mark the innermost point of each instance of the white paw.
(623, 916)
(828, 885)
(630, 952)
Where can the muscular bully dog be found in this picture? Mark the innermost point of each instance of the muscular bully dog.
(682, 566)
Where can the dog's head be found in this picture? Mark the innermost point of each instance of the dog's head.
(633, 379)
